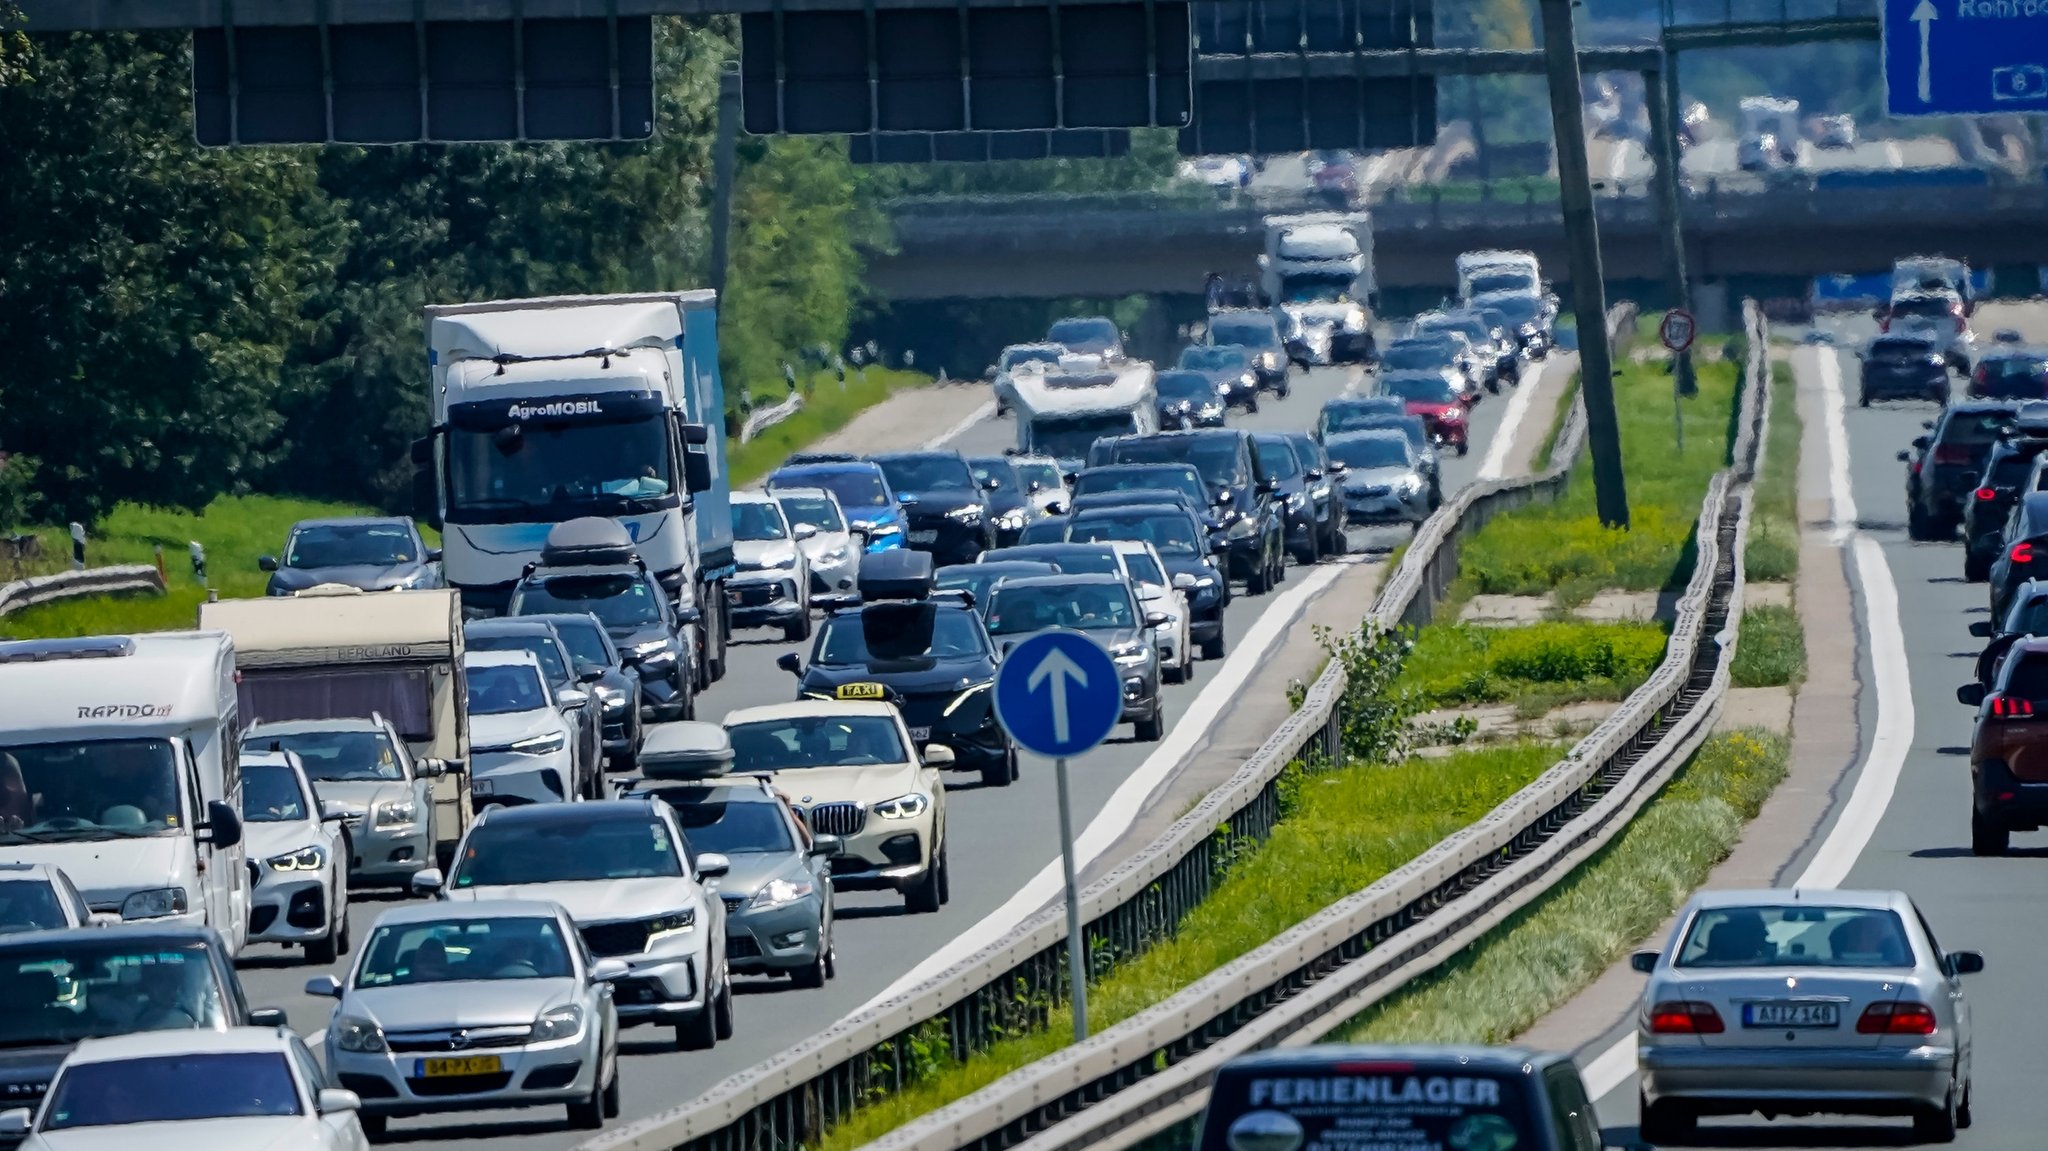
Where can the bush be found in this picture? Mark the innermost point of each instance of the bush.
(18, 497)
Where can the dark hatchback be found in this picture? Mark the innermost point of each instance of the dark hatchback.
(1259, 332)
(617, 684)
(1242, 491)
(1179, 538)
(374, 554)
(1311, 522)
(1231, 369)
(1942, 467)
(2010, 374)
(1003, 486)
(944, 509)
(2006, 474)
(1904, 367)
(2024, 554)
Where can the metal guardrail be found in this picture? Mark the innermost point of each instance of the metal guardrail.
(785, 1102)
(761, 419)
(1142, 1080)
(72, 584)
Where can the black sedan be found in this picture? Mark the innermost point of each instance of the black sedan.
(2007, 472)
(1231, 369)
(1009, 497)
(1904, 367)
(1191, 562)
(944, 508)
(1188, 400)
(1309, 526)
(1942, 467)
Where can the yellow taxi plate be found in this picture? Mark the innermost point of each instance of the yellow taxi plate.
(862, 691)
(465, 1065)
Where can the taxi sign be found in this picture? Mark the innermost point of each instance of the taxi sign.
(861, 691)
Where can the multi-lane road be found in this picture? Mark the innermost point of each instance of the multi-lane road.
(1000, 841)
(1900, 818)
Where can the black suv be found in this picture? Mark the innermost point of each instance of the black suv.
(585, 568)
(1242, 486)
(2024, 554)
(1942, 467)
(928, 648)
(1259, 333)
(945, 509)
(2010, 471)
(1311, 521)
(1908, 366)
(1179, 538)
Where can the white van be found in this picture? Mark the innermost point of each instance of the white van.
(119, 763)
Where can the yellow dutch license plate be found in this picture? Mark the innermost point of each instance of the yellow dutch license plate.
(465, 1065)
(862, 691)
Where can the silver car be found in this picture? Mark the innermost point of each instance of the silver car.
(362, 772)
(521, 749)
(833, 553)
(298, 854)
(1793, 1002)
(1384, 481)
(474, 1007)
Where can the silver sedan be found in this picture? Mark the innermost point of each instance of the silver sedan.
(1791, 1002)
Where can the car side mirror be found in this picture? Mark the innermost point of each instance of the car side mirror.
(827, 845)
(335, 1100)
(992, 484)
(430, 768)
(1643, 961)
(324, 987)
(712, 865)
(1965, 962)
(1981, 628)
(1267, 487)
(1921, 442)
(223, 826)
(1313, 474)
(104, 919)
(902, 497)
(571, 697)
(433, 555)
(590, 675)
(1905, 457)
(427, 881)
(804, 532)
(1055, 508)
(1185, 581)
(1157, 619)
(269, 1016)
(938, 755)
(15, 1121)
(266, 563)
(789, 662)
(1219, 546)
(688, 615)
(1970, 694)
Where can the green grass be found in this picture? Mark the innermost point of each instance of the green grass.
(1563, 547)
(1340, 831)
(1540, 664)
(1773, 550)
(235, 530)
(1546, 953)
(827, 408)
(1771, 649)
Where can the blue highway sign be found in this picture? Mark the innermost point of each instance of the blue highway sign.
(1058, 693)
(1965, 57)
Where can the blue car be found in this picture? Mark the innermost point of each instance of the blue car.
(870, 504)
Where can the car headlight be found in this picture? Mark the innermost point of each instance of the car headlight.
(1012, 520)
(351, 1034)
(1354, 320)
(964, 696)
(304, 859)
(1297, 501)
(662, 926)
(558, 1023)
(1131, 653)
(655, 655)
(834, 556)
(395, 812)
(540, 744)
(155, 903)
(1242, 526)
(966, 515)
(1205, 581)
(1270, 360)
(1530, 329)
(777, 892)
(904, 806)
(1411, 485)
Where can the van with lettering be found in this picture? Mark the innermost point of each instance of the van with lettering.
(339, 653)
(1338, 1097)
(120, 764)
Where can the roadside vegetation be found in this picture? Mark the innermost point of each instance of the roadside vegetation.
(1773, 550)
(1771, 649)
(1537, 666)
(1542, 956)
(829, 406)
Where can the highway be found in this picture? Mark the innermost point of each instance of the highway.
(1912, 610)
(998, 843)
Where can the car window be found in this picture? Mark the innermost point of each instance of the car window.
(1415, 357)
(742, 827)
(509, 853)
(2009, 470)
(1801, 935)
(172, 1088)
(1184, 386)
(543, 649)
(922, 473)
(999, 470)
(812, 510)
(1940, 956)
(1246, 331)
(816, 741)
(1018, 608)
(1370, 452)
(1213, 357)
(1421, 389)
(619, 600)
(1974, 428)
(338, 756)
(29, 905)
(348, 545)
(1171, 534)
(466, 950)
(87, 985)
(309, 1067)
(503, 689)
(1143, 568)
(585, 639)
(270, 794)
(2027, 676)
(757, 521)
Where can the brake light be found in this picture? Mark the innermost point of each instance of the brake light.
(1901, 1018)
(1987, 494)
(1951, 454)
(2023, 552)
(2006, 707)
(1685, 1017)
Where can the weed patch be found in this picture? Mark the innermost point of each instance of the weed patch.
(1466, 663)
(1773, 549)
(1771, 649)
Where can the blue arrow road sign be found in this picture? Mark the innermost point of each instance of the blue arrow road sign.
(1058, 693)
(1965, 57)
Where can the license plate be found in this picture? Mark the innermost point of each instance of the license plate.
(482, 787)
(463, 1065)
(1791, 1015)
(920, 734)
(925, 537)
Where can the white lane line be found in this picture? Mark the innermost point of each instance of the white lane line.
(1504, 435)
(317, 1038)
(1888, 745)
(960, 429)
(1124, 807)
(1841, 497)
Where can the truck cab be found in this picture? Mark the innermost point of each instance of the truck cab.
(1318, 271)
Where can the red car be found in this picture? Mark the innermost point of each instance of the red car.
(1438, 396)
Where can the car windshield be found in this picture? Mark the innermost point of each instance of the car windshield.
(29, 905)
(338, 756)
(884, 632)
(1502, 280)
(1974, 429)
(757, 521)
(923, 473)
(1246, 331)
(999, 469)
(172, 1089)
(621, 601)
(1045, 475)
(1214, 358)
(1170, 534)
(569, 849)
(742, 827)
(502, 689)
(348, 545)
(1341, 418)
(99, 790)
(805, 741)
(270, 794)
(1516, 308)
(976, 579)
(1795, 935)
(1182, 478)
(584, 637)
(1069, 437)
(2015, 367)
(1276, 456)
(1143, 568)
(84, 986)
(859, 487)
(1901, 349)
(1088, 336)
(1928, 306)
(468, 950)
(1015, 356)
(1421, 389)
(1472, 327)
(1215, 456)
(1369, 451)
(542, 648)
(816, 511)
(1190, 386)
(1415, 357)
(1314, 288)
(500, 471)
(1018, 608)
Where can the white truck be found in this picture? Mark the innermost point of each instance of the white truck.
(549, 410)
(1498, 273)
(1775, 118)
(1318, 272)
(120, 763)
(337, 652)
(1060, 413)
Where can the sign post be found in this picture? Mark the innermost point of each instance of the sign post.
(1677, 331)
(1964, 58)
(1058, 694)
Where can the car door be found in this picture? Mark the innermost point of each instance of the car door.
(216, 884)
(1958, 1004)
(339, 1130)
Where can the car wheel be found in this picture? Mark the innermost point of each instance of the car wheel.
(1662, 1122)
(1151, 730)
(1976, 570)
(374, 1126)
(1988, 837)
(1964, 1116)
(1937, 1124)
(811, 976)
(588, 1114)
(721, 1014)
(1214, 648)
(1281, 389)
(1257, 582)
(798, 629)
(1916, 523)
(1000, 772)
(610, 1101)
(923, 897)
(1251, 406)
(321, 952)
(1187, 665)
(1463, 448)
(1863, 399)
(945, 876)
(699, 1032)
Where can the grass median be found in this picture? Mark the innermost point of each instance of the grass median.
(1340, 831)
(1538, 665)
(828, 407)
(1546, 953)
(1773, 551)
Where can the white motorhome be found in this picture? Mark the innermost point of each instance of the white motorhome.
(1773, 117)
(119, 762)
(335, 652)
(549, 410)
(1497, 273)
(1060, 413)
(1318, 272)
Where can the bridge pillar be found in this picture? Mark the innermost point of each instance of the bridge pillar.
(1710, 305)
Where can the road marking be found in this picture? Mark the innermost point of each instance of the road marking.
(1124, 807)
(1886, 758)
(1841, 498)
(317, 1038)
(1504, 436)
(960, 429)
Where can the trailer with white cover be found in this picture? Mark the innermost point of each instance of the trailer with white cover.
(1318, 273)
(1060, 413)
